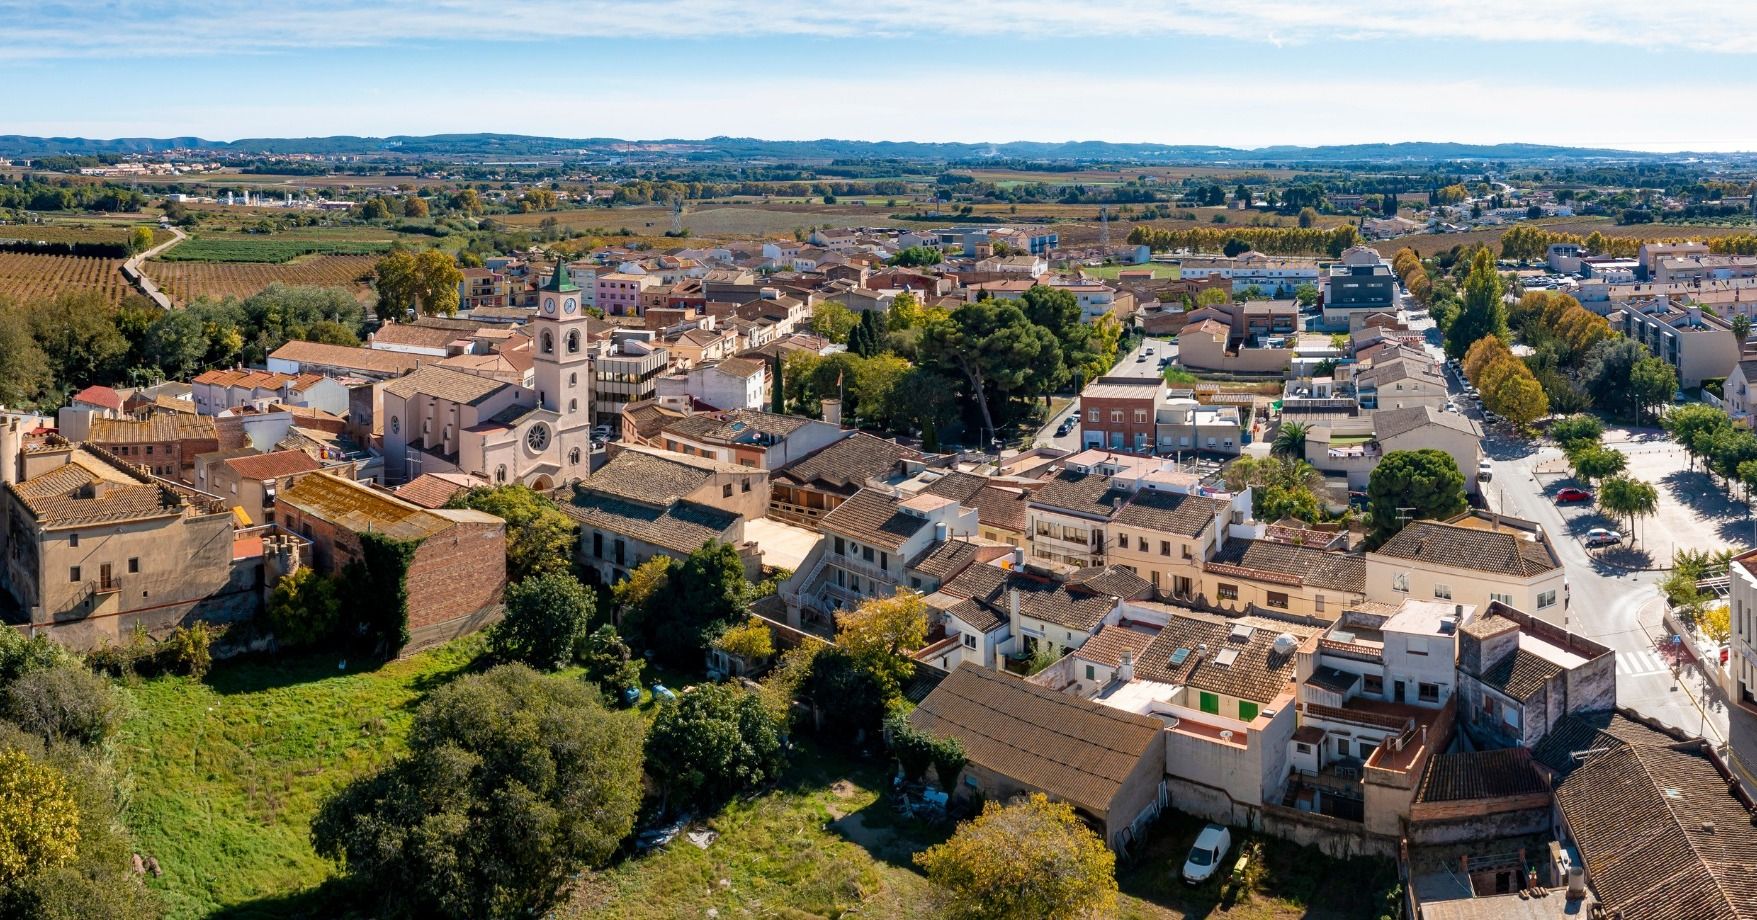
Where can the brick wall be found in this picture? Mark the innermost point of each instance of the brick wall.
(456, 573)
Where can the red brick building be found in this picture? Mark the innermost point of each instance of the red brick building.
(1120, 413)
(165, 443)
(459, 570)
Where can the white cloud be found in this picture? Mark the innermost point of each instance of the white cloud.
(198, 27)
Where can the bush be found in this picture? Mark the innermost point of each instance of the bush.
(714, 742)
(916, 750)
(547, 619)
(20, 656)
(64, 703)
(187, 651)
(304, 609)
(513, 782)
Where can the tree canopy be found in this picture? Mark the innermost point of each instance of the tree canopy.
(548, 619)
(715, 741)
(539, 535)
(1482, 313)
(1031, 861)
(511, 783)
(1410, 485)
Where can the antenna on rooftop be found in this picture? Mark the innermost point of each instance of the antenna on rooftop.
(1403, 514)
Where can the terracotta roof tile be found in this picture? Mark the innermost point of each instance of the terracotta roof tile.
(1492, 551)
(1070, 748)
(1469, 775)
(273, 465)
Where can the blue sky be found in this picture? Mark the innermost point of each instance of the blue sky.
(1617, 73)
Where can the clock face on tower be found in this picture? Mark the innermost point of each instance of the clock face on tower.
(537, 438)
(549, 305)
(569, 305)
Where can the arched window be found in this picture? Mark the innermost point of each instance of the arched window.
(573, 457)
(573, 405)
(500, 473)
(573, 341)
(548, 343)
(573, 380)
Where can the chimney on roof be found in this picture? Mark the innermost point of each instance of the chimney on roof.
(1125, 671)
(1013, 602)
(833, 411)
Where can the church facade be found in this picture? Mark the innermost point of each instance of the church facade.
(439, 420)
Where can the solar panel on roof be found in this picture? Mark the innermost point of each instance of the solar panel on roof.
(1226, 657)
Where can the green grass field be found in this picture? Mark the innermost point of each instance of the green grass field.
(232, 249)
(226, 774)
(1109, 272)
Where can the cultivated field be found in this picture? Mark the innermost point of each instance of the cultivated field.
(109, 232)
(26, 277)
(264, 250)
(184, 281)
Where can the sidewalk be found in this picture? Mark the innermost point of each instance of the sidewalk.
(1693, 672)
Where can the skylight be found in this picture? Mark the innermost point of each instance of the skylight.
(1226, 657)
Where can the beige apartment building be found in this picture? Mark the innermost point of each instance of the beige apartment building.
(1474, 559)
(94, 547)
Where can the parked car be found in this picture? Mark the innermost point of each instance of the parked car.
(1204, 859)
(600, 432)
(1066, 426)
(1139, 359)
(1603, 536)
(1572, 494)
(1485, 471)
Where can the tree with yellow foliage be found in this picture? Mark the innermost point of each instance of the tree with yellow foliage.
(750, 641)
(879, 634)
(1031, 861)
(39, 821)
(1483, 352)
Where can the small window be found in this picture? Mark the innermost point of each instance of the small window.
(1210, 703)
(1227, 592)
(1116, 415)
(1400, 582)
(1141, 544)
(1428, 693)
(1373, 684)
(134, 565)
(1416, 645)
(1302, 747)
(1277, 599)
(1443, 592)
(73, 573)
(745, 487)
(726, 490)
(1091, 673)
(1546, 599)
(969, 640)
(1501, 598)
(1247, 710)
(866, 553)
(73, 539)
(841, 547)
(1164, 547)
(149, 450)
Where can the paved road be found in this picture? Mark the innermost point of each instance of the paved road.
(1127, 367)
(1617, 608)
(132, 269)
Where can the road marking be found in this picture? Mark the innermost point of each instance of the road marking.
(1640, 663)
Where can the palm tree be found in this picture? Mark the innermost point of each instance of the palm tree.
(1628, 498)
(1290, 441)
(1741, 328)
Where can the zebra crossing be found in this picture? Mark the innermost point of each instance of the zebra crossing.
(1640, 663)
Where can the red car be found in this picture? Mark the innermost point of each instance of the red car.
(1573, 495)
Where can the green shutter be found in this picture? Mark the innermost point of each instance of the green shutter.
(1247, 710)
(1211, 703)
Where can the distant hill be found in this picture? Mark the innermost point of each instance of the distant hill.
(490, 146)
